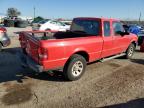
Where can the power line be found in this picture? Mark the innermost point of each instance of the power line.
(34, 11)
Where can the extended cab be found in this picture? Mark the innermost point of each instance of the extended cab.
(88, 40)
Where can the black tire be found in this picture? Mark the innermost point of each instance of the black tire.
(73, 72)
(0, 47)
(130, 51)
(24, 51)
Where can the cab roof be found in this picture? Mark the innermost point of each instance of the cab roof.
(95, 18)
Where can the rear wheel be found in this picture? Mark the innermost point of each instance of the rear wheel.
(75, 67)
(130, 51)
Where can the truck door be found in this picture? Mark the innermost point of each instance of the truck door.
(107, 39)
(120, 42)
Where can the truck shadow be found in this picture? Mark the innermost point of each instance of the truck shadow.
(11, 69)
(56, 76)
(138, 61)
(138, 103)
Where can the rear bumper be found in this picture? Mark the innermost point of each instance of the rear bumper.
(29, 62)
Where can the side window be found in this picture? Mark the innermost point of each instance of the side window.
(106, 28)
(60, 24)
(117, 26)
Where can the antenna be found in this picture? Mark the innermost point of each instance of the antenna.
(34, 11)
(139, 17)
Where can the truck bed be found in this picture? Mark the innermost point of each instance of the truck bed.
(57, 45)
(57, 35)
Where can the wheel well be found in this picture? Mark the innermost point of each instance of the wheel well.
(84, 54)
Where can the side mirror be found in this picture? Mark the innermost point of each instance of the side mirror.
(122, 33)
(126, 33)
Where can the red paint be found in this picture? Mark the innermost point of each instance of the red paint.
(55, 53)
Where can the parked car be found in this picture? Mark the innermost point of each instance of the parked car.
(142, 28)
(36, 20)
(51, 25)
(138, 30)
(4, 39)
(88, 40)
(140, 37)
(35, 24)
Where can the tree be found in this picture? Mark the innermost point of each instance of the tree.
(39, 18)
(13, 12)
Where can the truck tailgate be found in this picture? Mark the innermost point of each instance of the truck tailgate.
(32, 46)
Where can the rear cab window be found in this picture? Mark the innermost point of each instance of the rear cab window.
(91, 27)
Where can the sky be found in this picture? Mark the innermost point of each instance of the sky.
(122, 9)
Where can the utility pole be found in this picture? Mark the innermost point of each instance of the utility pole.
(34, 12)
(139, 17)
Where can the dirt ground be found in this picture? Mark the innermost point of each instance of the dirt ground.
(118, 83)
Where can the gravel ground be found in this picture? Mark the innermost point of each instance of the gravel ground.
(11, 30)
(118, 83)
(14, 37)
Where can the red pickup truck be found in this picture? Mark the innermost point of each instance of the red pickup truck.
(88, 40)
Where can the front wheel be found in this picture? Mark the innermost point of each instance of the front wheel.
(75, 67)
(130, 51)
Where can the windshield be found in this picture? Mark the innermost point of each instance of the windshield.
(43, 21)
(86, 26)
(61, 23)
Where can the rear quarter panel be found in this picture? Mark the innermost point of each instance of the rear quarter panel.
(92, 45)
(59, 51)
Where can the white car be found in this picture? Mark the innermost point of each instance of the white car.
(51, 25)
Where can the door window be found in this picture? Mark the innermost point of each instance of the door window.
(60, 24)
(53, 22)
(106, 28)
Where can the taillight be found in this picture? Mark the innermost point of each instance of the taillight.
(43, 53)
(21, 37)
